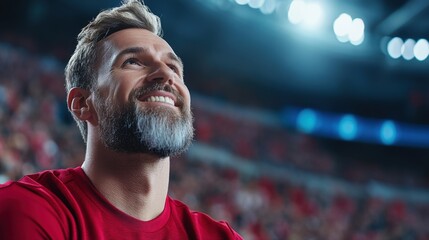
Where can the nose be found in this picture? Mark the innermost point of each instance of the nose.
(161, 73)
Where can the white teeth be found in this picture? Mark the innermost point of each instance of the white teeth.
(160, 99)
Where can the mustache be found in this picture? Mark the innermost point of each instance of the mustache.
(141, 91)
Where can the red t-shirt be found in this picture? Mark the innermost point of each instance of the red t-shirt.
(63, 204)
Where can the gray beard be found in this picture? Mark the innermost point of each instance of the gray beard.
(160, 131)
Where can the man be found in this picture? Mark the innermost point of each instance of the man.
(126, 91)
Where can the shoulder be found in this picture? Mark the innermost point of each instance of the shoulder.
(201, 223)
(43, 186)
(32, 206)
(17, 198)
(39, 189)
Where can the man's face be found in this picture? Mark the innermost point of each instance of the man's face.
(142, 102)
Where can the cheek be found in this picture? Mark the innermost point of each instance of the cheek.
(119, 91)
(122, 94)
(186, 95)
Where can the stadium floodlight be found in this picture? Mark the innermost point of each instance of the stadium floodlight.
(357, 30)
(347, 29)
(407, 49)
(296, 11)
(421, 49)
(342, 25)
(394, 47)
(314, 14)
(308, 13)
(359, 41)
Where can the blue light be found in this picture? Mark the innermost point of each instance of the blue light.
(306, 120)
(347, 128)
(388, 132)
(350, 127)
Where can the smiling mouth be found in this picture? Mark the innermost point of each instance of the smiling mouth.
(160, 99)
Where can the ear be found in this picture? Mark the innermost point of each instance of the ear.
(80, 104)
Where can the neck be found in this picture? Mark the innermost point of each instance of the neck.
(136, 184)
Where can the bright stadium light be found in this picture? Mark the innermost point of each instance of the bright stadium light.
(313, 14)
(296, 11)
(421, 49)
(359, 41)
(394, 47)
(357, 30)
(308, 13)
(347, 29)
(342, 25)
(407, 49)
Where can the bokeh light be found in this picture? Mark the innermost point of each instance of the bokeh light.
(394, 47)
(421, 49)
(388, 132)
(306, 120)
(347, 127)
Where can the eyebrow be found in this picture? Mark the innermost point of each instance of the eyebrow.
(136, 50)
(175, 58)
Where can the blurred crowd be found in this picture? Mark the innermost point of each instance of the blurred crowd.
(37, 133)
(35, 130)
(265, 208)
(263, 137)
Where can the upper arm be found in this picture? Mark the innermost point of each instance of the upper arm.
(25, 214)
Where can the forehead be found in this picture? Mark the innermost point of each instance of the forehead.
(135, 37)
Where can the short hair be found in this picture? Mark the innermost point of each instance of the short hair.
(80, 70)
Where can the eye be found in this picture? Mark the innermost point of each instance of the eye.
(175, 68)
(132, 61)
